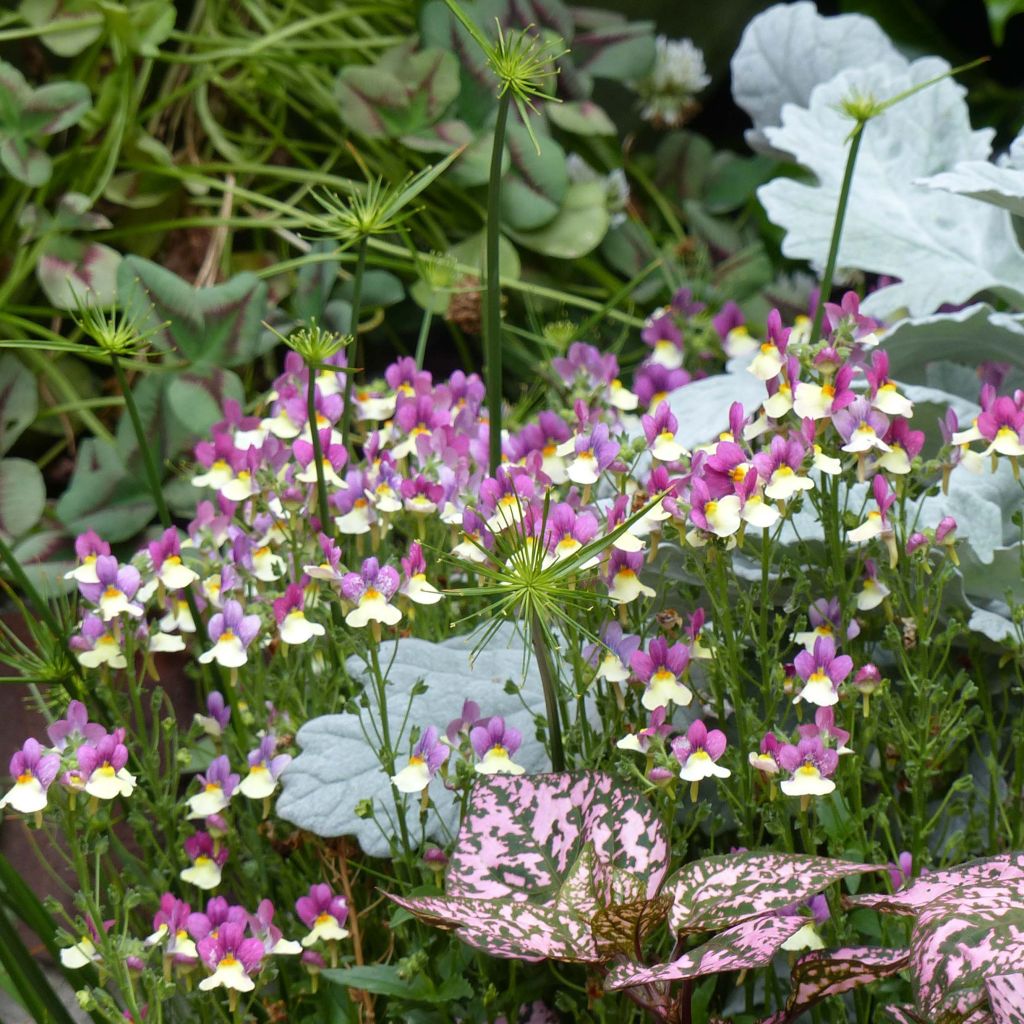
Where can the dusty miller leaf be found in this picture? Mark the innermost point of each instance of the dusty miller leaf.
(942, 248)
(338, 767)
(1002, 186)
(789, 49)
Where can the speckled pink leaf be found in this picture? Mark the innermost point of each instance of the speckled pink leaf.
(716, 892)
(539, 857)
(1006, 868)
(1006, 998)
(904, 1015)
(830, 972)
(753, 943)
(973, 932)
(521, 833)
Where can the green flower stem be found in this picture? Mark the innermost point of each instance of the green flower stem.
(837, 229)
(492, 293)
(421, 341)
(326, 522)
(550, 685)
(148, 462)
(357, 289)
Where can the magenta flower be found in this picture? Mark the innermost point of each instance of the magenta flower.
(811, 766)
(218, 913)
(654, 383)
(825, 729)
(231, 631)
(586, 365)
(822, 672)
(697, 753)
(877, 522)
(766, 759)
(88, 547)
(505, 497)
(660, 430)
(427, 757)
(421, 495)
(371, 590)
(771, 355)
(33, 773)
(567, 530)
(469, 717)
(231, 957)
(323, 913)
(290, 613)
(902, 872)
(165, 555)
(641, 740)
(263, 928)
(623, 576)
(415, 586)
(594, 453)
(1002, 425)
(660, 667)
(170, 929)
(495, 744)
(720, 516)
(846, 317)
(333, 462)
(664, 337)
(780, 468)
(265, 767)
(329, 569)
(207, 859)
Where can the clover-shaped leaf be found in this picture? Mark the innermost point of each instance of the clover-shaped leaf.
(540, 859)
(26, 114)
(716, 892)
(19, 400)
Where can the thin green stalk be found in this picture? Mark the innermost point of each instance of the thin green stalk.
(492, 288)
(326, 522)
(421, 341)
(837, 228)
(148, 462)
(550, 684)
(357, 289)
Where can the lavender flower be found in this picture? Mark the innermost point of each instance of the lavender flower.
(101, 767)
(274, 943)
(810, 765)
(219, 784)
(660, 668)
(217, 716)
(371, 590)
(165, 555)
(427, 757)
(623, 577)
(641, 740)
(495, 744)
(292, 625)
(33, 773)
(114, 588)
(231, 632)
(822, 672)
(207, 861)
(74, 727)
(265, 767)
(612, 656)
(97, 644)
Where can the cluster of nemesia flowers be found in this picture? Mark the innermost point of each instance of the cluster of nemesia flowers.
(82, 755)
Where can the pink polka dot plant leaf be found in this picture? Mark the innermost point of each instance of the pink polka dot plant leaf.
(752, 943)
(550, 866)
(717, 892)
(831, 972)
(1006, 998)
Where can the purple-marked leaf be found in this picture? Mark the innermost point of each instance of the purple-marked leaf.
(53, 108)
(928, 888)
(536, 183)
(402, 93)
(716, 892)
(622, 927)
(219, 326)
(70, 271)
(973, 932)
(521, 834)
(19, 400)
(104, 496)
(622, 51)
(442, 137)
(830, 972)
(583, 117)
(79, 28)
(22, 497)
(1006, 998)
(751, 944)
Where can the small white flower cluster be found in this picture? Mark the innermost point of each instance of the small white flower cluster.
(678, 75)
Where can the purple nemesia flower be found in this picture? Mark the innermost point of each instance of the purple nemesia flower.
(587, 363)
(660, 667)
(594, 453)
(810, 765)
(404, 376)
(219, 784)
(822, 672)
(504, 497)
(371, 590)
(697, 753)
(33, 773)
(74, 727)
(467, 719)
(218, 913)
(826, 730)
(623, 576)
(217, 716)
(165, 554)
(847, 316)
(265, 767)
(766, 759)
(88, 547)
(114, 588)
(613, 654)
(640, 740)
(902, 872)
(263, 928)
(720, 516)
(170, 928)
(428, 755)
(771, 355)
(660, 431)
(663, 335)
(207, 859)
(654, 382)
(323, 913)
(567, 530)
(861, 426)
(101, 767)
(232, 957)
(779, 467)
(495, 743)
(915, 541)
(231, 631)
